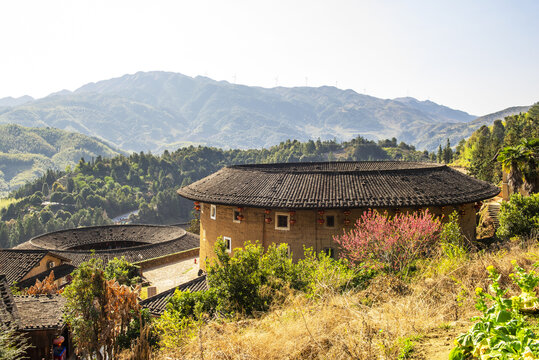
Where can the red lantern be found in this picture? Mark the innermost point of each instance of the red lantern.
(267, 211)
(268, 220)
(320, 221)
(346, 222)
(240, 209)
(292, 213)
(347, 212)
(197, 207)
(240, 217)
(320, 212)
(292, 221)
(197, 202)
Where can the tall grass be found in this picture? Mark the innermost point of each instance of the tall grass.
(367, 324)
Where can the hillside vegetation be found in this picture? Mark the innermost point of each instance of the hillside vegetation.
(159, 110)
(27, 153)
(478, 153)
(95, 191)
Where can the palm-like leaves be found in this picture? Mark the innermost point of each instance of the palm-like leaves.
(521, 163)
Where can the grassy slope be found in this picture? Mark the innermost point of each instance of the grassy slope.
(370, 324)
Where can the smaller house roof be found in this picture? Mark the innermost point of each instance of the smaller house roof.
(60, 271)
(9, 316)
(17, 263)
(157, 304)
(40, 312)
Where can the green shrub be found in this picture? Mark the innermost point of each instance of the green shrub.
(451, 238)
(519, 217)
(122, 271)
(501, 331)
(320, 274)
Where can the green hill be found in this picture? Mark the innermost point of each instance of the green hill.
(26, 153)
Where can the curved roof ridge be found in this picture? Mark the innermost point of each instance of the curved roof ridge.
(337, 166)
(339, 185)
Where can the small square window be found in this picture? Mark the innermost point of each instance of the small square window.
(236, 215)
(330, 221)
(228, 243)
(282, 221)
(329, 252)
(213, 212)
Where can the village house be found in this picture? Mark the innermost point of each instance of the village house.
(306, 204)
(38, 318)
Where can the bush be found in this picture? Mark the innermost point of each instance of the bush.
(519, 217)
(451, 238)
(238, 279)
(502, 332)
(122, 271)
(389, 243)
(320, 274)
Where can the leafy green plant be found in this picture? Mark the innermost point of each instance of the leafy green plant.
(501, 332)
(451, 238)
(122, 271)
(519, 216)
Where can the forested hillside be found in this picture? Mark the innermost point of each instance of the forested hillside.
(93, 192)
(479, 152)
(27, 153)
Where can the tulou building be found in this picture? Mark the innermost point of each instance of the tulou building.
(306, 204)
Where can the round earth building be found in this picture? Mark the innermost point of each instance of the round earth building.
(306, 204)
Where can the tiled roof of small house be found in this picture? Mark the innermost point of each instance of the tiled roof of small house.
(16, 263)
(142, 242)
(9, 316)
(40, 312)
(339, 185)
(157, 304)
(60, 271)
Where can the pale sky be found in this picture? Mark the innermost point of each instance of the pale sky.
(476, 56)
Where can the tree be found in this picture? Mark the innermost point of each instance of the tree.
(440, 155)
(98, 310)
(520, 162)
(122, 271)
(12, 344)
(447, 153)
(389, 243)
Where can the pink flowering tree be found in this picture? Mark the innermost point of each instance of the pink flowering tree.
(390, 243)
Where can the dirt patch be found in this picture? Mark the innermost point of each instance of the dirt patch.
(437, 343)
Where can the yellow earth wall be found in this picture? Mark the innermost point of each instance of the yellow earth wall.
(305, 232)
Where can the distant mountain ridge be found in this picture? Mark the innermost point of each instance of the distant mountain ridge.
(26, 153)
(160, 110)
(11, 101)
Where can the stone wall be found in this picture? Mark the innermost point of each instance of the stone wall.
(167, 259)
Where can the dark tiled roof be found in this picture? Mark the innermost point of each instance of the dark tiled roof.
(9, 316)
(156, 241)
(339, 185)
(40, 312)
(59, 272)
(15, 264)
(157, 304)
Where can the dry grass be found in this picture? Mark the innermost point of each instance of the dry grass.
(370, 324)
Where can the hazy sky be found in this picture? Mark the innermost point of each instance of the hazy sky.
(477, 56)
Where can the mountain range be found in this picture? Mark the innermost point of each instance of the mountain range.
(161, 110)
